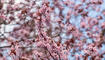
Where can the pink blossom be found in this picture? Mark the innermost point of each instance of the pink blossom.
(103, 25)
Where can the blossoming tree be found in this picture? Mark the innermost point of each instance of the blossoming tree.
(52, 30)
